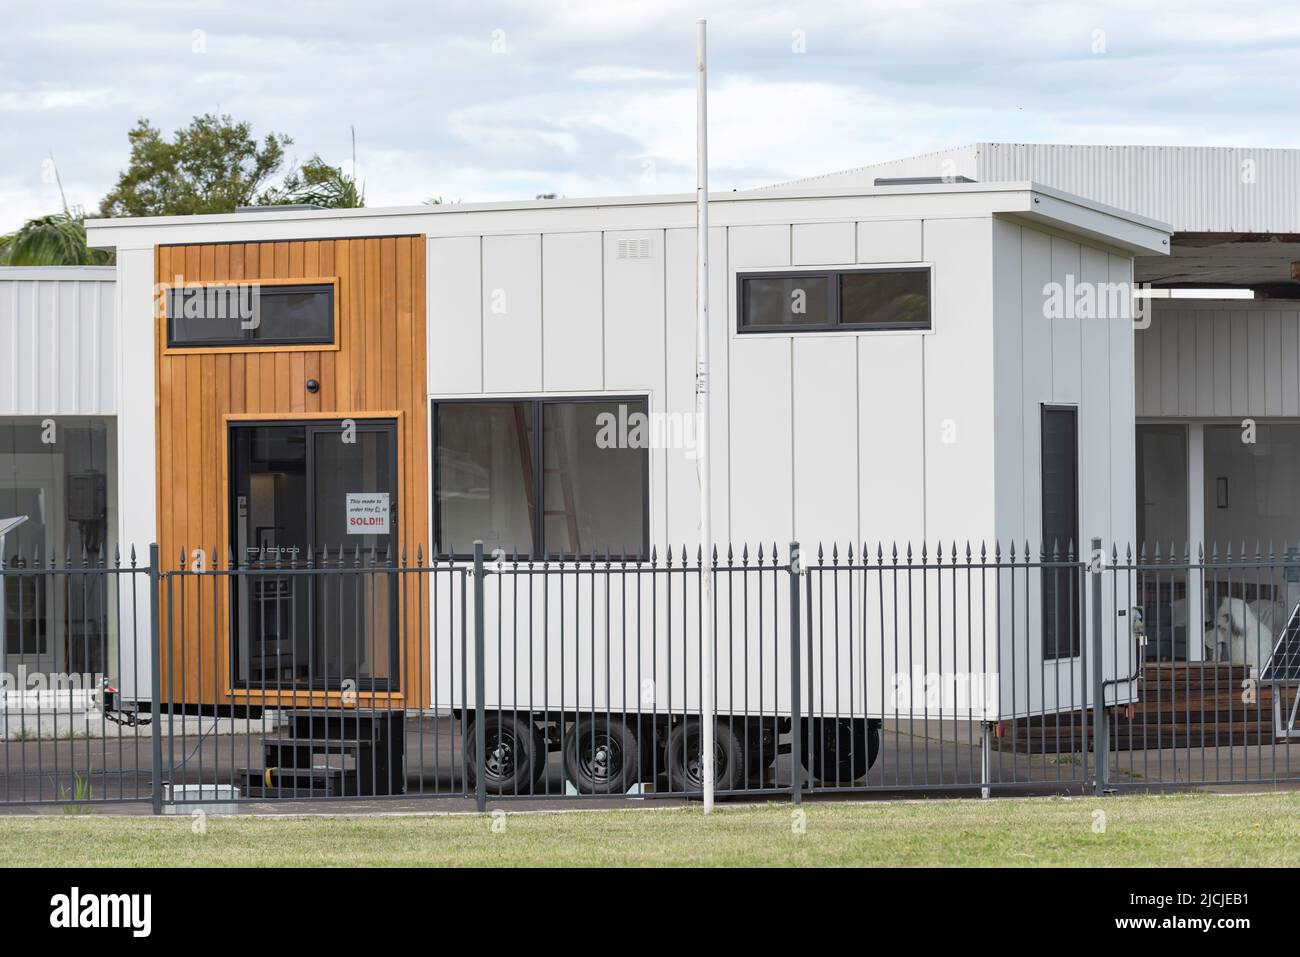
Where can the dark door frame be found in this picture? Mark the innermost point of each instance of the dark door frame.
(312, 427)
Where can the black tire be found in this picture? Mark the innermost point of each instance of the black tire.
(602, 756)
(685, 757)
(516, 754)
(760, 751)
(652, 744)
(843, 749)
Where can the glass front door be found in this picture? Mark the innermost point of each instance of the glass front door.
(313, 521)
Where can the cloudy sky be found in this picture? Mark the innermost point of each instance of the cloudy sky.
(479, 100)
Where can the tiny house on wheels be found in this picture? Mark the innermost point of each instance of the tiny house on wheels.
(313, 403)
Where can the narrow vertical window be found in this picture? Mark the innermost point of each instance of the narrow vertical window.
(1060, 479)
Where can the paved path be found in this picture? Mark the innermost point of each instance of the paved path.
(118, 769)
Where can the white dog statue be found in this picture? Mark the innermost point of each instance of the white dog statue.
(1239, 626)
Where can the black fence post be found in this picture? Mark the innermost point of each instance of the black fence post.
(796, 706)
(480, 685)
(1100, 732)
(155, 671)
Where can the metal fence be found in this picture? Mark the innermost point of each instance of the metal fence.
(74, 631)
(347, 675)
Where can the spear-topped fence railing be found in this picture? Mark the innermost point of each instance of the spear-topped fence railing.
(344, 673)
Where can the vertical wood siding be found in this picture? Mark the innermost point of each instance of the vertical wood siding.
(379, 368)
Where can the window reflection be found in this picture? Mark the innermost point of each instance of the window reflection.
(58, 472)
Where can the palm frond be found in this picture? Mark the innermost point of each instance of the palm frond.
(55, 240)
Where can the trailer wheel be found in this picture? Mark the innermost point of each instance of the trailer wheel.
(761, 751)
(843, 749)
(515, 754)
(601, 756)
(686, 757)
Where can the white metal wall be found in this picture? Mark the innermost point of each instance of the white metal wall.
(820, 437)
(1082, 362)
(1202, 359)
(827, 438)
(57, 341)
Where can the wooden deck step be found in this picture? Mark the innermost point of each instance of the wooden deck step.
(1180, 705)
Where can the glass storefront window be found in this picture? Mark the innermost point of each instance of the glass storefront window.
(1161, 489)
(59, 472)
(1252, 487)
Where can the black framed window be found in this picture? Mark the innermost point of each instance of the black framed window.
(242, 314)
(535, 477)
(834, 299)
(1062, 598)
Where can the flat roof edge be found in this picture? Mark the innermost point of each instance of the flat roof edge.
(664, 199)
(66, 273)
(1018, 195)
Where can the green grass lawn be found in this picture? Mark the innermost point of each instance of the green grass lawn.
(1194, 830)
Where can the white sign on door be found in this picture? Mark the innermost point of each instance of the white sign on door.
(368, 513)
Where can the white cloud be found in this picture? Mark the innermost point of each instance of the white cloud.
(15, 101)
(621, 74)
(590, 97)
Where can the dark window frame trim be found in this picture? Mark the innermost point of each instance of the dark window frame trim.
(310, 426)
(538, 521)
(832, 275)
(329, 284)
(1069, 653)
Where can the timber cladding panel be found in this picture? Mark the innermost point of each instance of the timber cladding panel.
(376, 368)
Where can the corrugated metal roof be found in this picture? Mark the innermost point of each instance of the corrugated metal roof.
(959, 161)
(1193, 188)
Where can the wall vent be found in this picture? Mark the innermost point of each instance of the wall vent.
(634, 249)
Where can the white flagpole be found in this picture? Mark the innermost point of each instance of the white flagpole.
(707, 705)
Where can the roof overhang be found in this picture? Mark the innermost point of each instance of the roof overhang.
(1027, 201)
(1265, 262)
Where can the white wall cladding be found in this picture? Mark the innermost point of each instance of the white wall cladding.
(823, 437)
(1219, 358)
(799, 422)
(57, 341)
(1083, 362)
(820, 437)
(1193, 188)
(1087, 363)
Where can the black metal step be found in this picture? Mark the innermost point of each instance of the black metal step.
(286, 794)
(324, 723)
(375, 714)
(320, 782)
(271, 747)
(373, 742)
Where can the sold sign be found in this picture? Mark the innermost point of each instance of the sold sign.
(368, 513)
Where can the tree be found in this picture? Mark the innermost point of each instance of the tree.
(319, 183)
(211, 166)
(55, 240)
